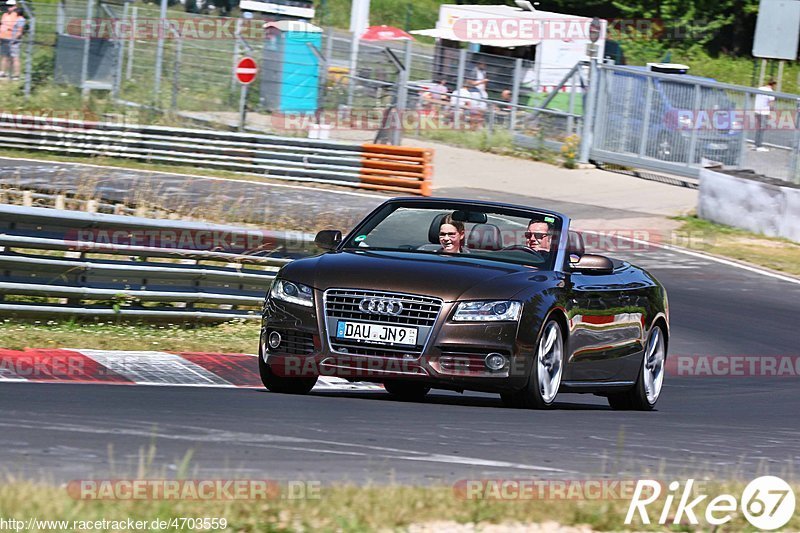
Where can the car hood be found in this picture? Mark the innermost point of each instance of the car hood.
(443, 276)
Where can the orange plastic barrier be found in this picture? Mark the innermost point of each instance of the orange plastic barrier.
(396, 168)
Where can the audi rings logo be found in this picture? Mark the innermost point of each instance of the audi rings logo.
(381, 307)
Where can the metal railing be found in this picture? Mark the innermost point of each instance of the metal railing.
(55, 262)
(271, 156)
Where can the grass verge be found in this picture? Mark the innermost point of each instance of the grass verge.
(353, 508)
(778, 254)
(231, 337)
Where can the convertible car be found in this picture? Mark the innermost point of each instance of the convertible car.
(451, 294)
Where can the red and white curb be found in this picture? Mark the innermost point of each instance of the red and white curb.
(121, 367)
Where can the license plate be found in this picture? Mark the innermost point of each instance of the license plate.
(376, 333)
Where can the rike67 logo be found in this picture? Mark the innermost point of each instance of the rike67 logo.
(767, 502)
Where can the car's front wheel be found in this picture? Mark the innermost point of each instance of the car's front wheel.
(404, 390)
(546, 371)
(286, 385)
(644, 395)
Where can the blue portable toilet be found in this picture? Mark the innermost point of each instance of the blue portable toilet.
(290, 67)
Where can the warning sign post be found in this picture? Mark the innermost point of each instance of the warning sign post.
(245, 72)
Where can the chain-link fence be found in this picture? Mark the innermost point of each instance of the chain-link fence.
(363, 91)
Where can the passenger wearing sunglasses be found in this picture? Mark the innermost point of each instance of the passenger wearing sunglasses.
(539, 235)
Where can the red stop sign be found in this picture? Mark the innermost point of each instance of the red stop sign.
(246, 70)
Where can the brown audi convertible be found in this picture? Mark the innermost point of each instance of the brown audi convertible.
(466, 295)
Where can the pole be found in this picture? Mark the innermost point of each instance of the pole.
(402, 95)
(781, 63)
(462, 63)
(86, 44)
(512, 115)
(236, 50)
(131, 44)
(763, 73)
(120, 44)
(29, 53)
(242, 107)
(593, 86)
(162, 20)
(176, 72)
(353, 66)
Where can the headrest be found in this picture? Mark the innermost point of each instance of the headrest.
(485, 237)
(433, 230)
(575, 244)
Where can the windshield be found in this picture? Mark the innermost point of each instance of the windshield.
(482, 232)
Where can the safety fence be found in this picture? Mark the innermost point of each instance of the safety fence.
(368, 166)
(55, 262)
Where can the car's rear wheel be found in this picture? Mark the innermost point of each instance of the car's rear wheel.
(545, 377)
(403, 390)
(644, 395)
(285, 385)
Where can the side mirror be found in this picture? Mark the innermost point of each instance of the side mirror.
(328, 239)
(593, 264)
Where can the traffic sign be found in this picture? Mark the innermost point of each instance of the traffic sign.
(246, 70)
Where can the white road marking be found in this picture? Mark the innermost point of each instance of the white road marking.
(706, 257)
(268, 441)
(154, 367)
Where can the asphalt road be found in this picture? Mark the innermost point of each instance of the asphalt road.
(724, 427)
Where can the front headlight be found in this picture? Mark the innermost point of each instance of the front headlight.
(295, 293)
(487, 311)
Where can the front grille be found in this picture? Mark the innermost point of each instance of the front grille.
(293, 342)
(418, 311)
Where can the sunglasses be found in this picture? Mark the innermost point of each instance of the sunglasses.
(539, 236)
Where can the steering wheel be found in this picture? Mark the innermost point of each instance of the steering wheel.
(523, 248)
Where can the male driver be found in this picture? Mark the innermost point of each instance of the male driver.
(539, 235)
(11, 26)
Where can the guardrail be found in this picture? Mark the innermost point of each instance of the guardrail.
(55, 262)
(368, 166)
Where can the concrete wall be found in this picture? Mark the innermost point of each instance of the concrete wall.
(756, 204)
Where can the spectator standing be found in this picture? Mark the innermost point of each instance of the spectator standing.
(763, 107)
(11, 26)
(479, 80)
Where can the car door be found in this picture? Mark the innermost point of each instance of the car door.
(605, 328)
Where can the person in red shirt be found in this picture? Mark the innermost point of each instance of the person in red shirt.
(11, 26)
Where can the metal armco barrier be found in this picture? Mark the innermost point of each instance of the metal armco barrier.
(368, 166)
(55, 262)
